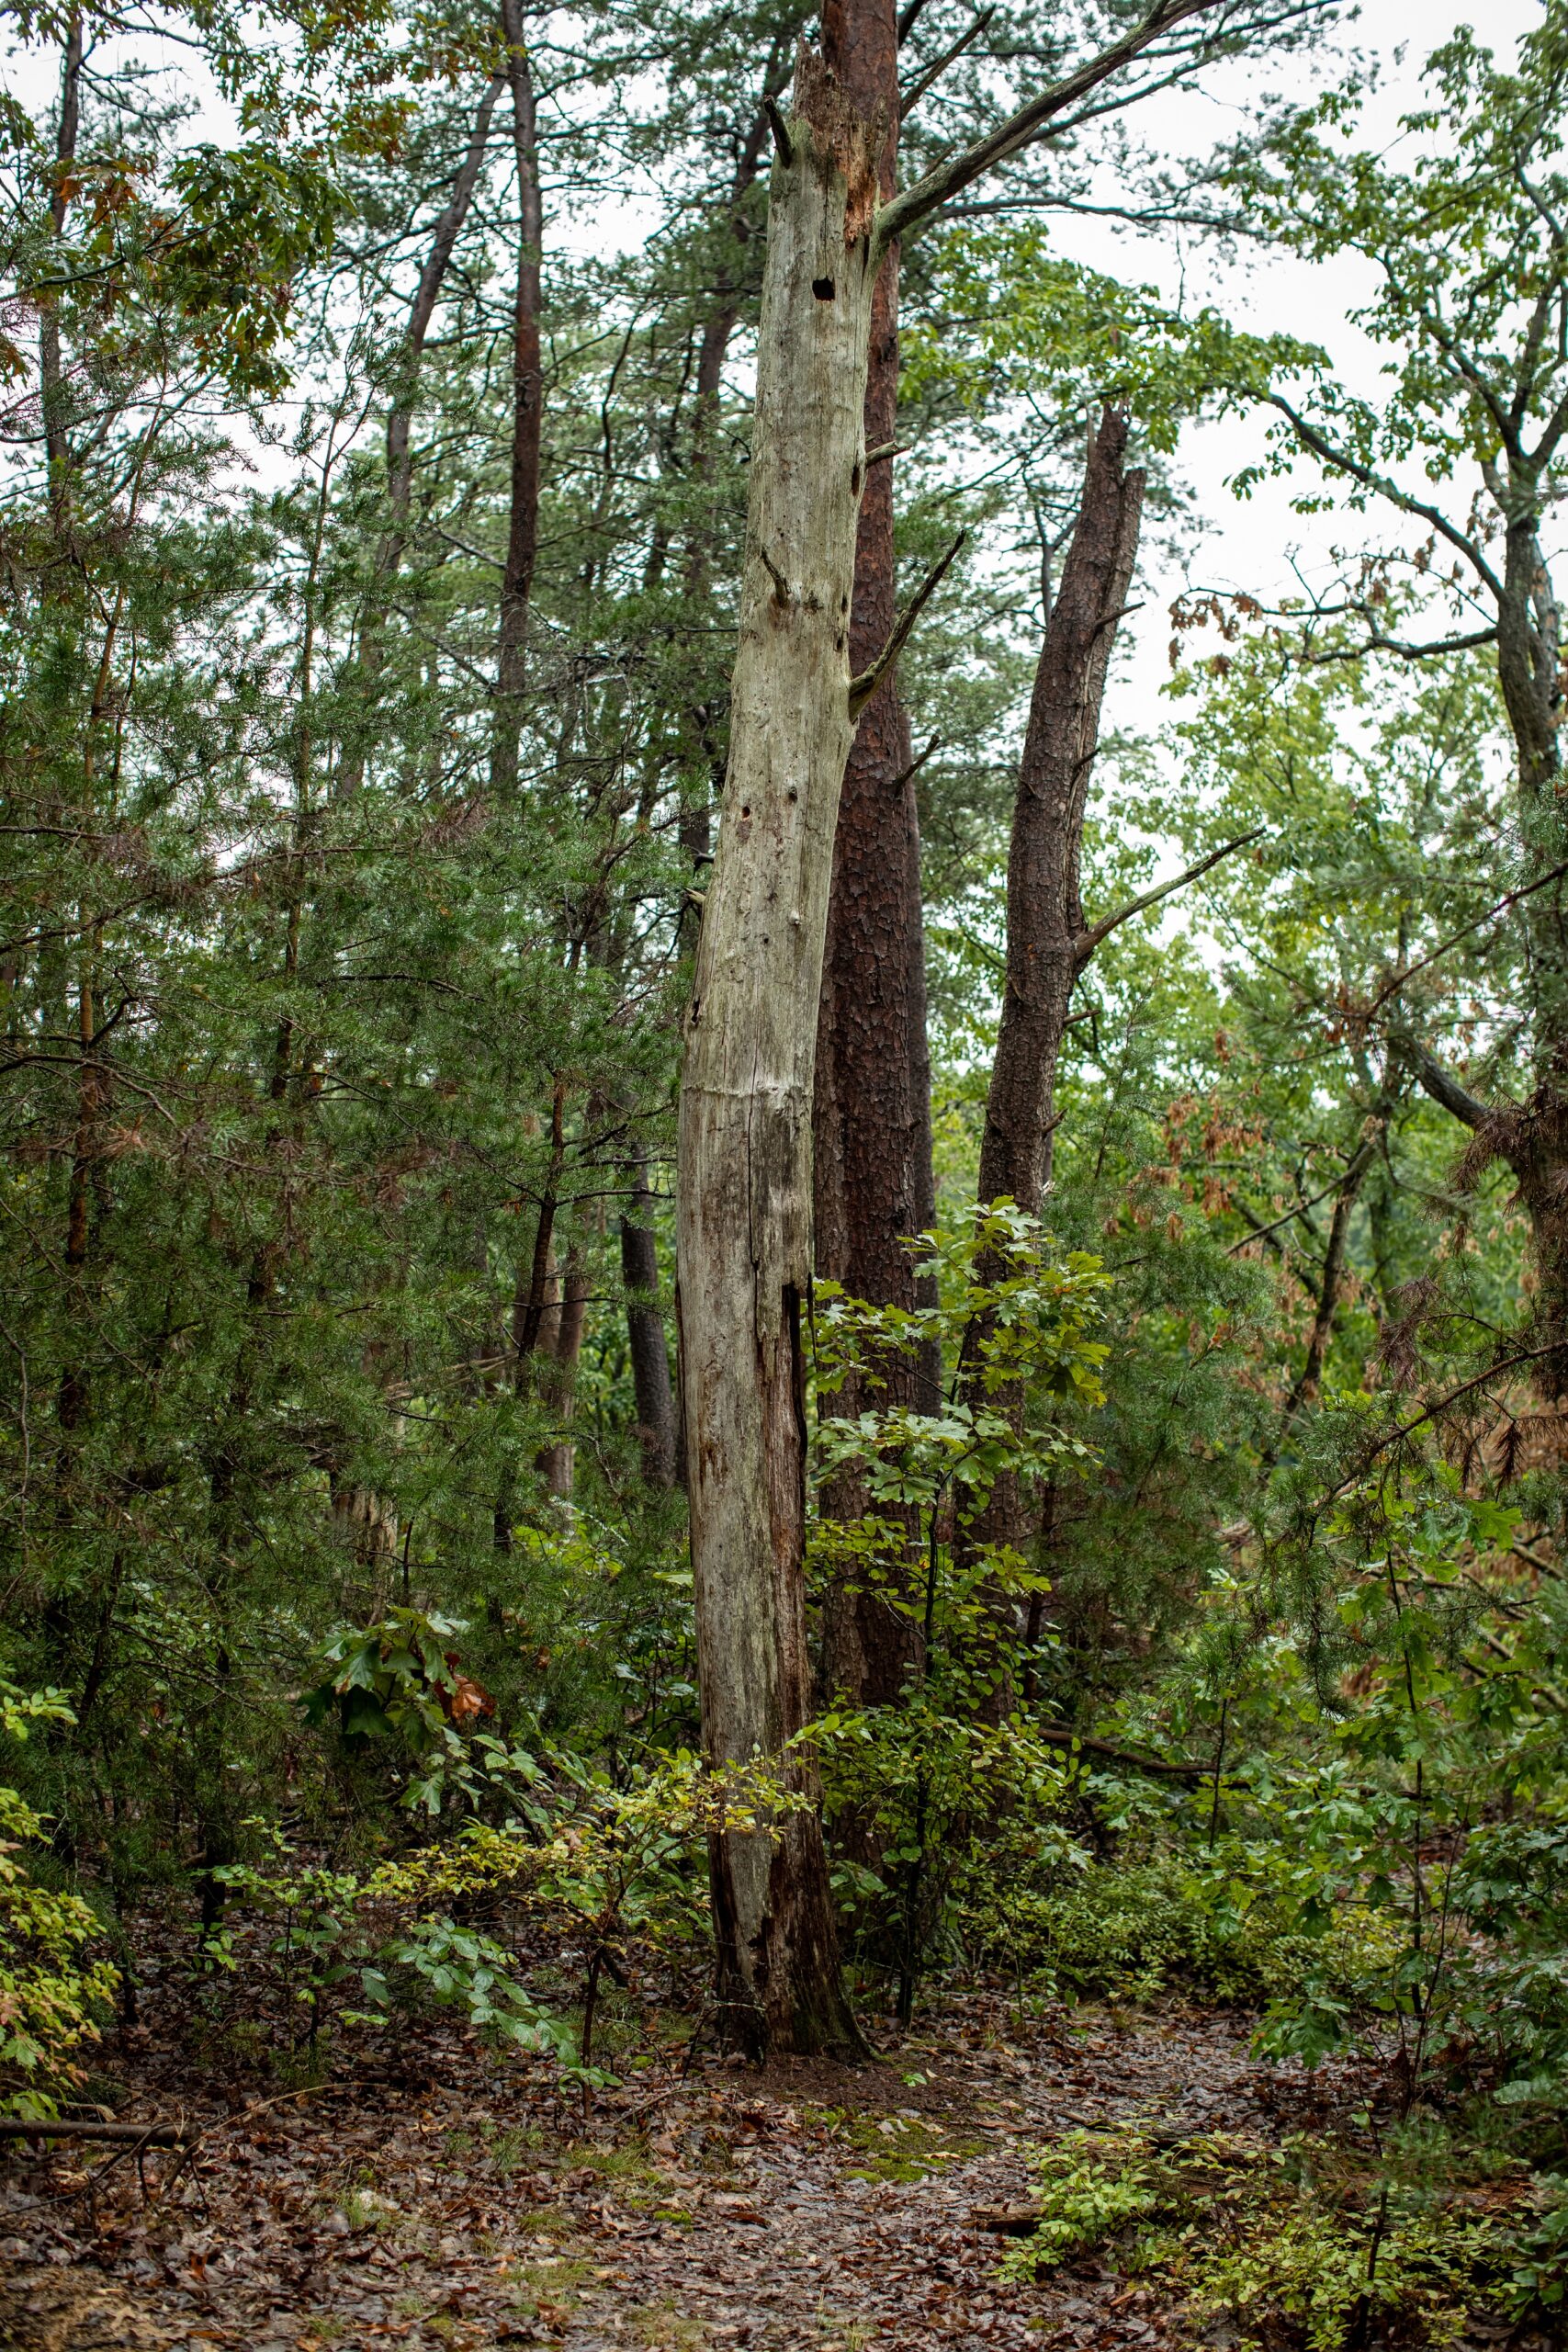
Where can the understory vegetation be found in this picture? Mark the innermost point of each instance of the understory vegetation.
(1160, 1498)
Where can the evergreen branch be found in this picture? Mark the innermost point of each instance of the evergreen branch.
(908, 102)
(912, 205)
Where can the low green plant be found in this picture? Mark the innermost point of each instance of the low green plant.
(1302, 2242)
(1331, 2278)
(49, 1987)
(1135, 1930)
(1016, 1316)
(360, 1943)
(620, 1863)
(1089, 2189)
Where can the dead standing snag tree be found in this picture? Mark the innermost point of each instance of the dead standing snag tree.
(744, 1230)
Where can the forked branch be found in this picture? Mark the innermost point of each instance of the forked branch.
(909, 99)
(913, 205)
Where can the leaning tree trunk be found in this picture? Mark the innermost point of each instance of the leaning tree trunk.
(1044, 912)
(744, 1237)
(400, 447)
(1047, 941)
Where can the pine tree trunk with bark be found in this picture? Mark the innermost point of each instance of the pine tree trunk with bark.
(52, 390)
(1045, 931)
(527, 418)
(872, 1116)
(645, 1341)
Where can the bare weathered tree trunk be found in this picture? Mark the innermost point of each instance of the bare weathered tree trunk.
(527, 414)
(744, 1247)
(745, 1187)
(646, 1339)
(703, 732)
(871, 1115)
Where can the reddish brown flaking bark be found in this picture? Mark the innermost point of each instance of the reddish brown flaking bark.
(1047, 939)
(871, 1115)
(1045, 916)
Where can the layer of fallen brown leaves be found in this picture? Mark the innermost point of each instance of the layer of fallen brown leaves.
(443, 2196)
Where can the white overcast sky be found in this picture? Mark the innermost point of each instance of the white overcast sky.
(1250, 544)
(1242, 545)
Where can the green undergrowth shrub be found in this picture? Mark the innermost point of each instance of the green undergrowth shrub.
(54, 1992)
(1138, 1929)
(610, 1875)
(1309, 2244)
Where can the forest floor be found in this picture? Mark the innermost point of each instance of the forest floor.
(454, 2201)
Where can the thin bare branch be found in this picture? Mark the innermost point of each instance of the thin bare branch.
(865, 685)
(1512, 899)
(910, 98)
(1089, 940)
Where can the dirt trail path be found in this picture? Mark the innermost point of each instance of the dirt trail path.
(812, 2207)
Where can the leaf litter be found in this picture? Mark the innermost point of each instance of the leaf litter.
(456, 2200)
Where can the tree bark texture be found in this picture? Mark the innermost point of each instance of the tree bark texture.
(527, 414)
(704, 757)
(1044, 911)
(744, 1233)
(56, 422)
(871, 1115)
(645, 1339)
(1047, 941)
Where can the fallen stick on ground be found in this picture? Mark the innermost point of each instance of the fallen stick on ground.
(147, 2135)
